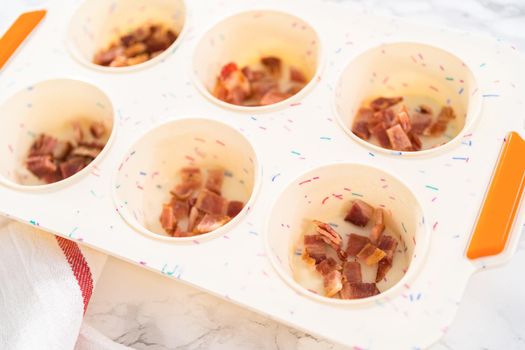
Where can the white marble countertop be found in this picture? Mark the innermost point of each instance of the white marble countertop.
(148, 311)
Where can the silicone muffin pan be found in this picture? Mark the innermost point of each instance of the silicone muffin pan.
(455, 205)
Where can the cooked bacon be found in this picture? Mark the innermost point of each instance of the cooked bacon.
(361, 123)
(297, 76)
(352, 272)
(82, 151)
(234, 208)
(358, 290)
(273, 64)
(379, 225)
(195, 217)
(43, 145)
(252, 75)
(381, 103)
(262, 86)
(167, 219)
(379, 131)
(383, 266)
(211, 203)
(389, 245)
(421, 119)
(440, 126)
(191, 180)
(327, 265)
(330, 237)
(371, 254)
(403, 119)
(181, 209)
(398, 138)
(355, 244)
(214, 180)
(61, 150)
(97, 130)
(78, 133)
(332, 283)
(232, 85)
(417, 144)
(72, 166)
(43, 167)
(274, 96)
(211, 222)
(314, 249)
(360, 213)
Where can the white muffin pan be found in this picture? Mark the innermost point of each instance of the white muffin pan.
(289, 162)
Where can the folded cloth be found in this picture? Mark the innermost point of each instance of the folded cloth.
(45, 286)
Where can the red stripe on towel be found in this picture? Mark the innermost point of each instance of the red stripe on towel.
(79, 266)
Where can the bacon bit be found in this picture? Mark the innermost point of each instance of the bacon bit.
(404, 119)
(97, 130)
(330, 237)
(398, 138)
(181, 209)
(382, 269)
(194, 219)
(327, 265)
(352, 272)
(214, 180)
(359, 213)
(274, 96)
(358, 290)
(381, 103)
(361, 123)
(227, 69)
(234, 208)
(371, 254)
(355, 244)
(167, 219)
(440, 126)
(297, 76)
(211, 222)
(379, 131)
(211, 203)
(273, 64)
(72, 166)
(314, 249)
(332, 283)
(389, 245)
(379, 225)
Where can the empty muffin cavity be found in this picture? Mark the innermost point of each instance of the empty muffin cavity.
(323, 198)
(189, 170)
(257, 59)
(125, 34)
(406, 97)
(53, 131)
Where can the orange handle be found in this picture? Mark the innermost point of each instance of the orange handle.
(17, 33)
(501, 202)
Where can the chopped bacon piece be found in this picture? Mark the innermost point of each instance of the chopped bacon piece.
(371, 254)
(379, 131)
(195, 217)
(314, 249)
(82, 151)
(191, 180)
(262, 86)
(360, 213)
(398, 138)
(327, 265)
(417, 144)
(384, 102)
(72, 166)
(379, 225)
(386, 116)
(61, 150)
(358, 290)
(97, 130)
(440, 126)
(421, 119)
(355, 244)
(232, 86)
(227, 69)
(273, 64)
(361, 123)
(352, 272)
(297, 76)
(43, 167)
(181, 209)
(252, 75)
(214, 180)
(234, 208)
(211, 203)
(274, 96)
(211, 222)
(330, 236)
(389, 245)
(403, 119)
(167, 219)
(43, 145)
(382, 269)
(332, 283)
(78, 133)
